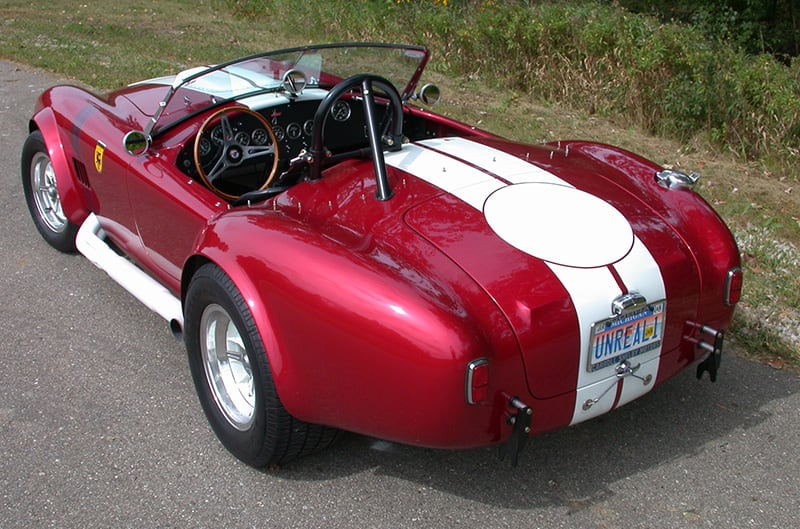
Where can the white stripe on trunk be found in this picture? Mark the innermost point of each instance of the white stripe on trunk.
(591, 289)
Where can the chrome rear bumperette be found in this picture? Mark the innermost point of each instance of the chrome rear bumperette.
(709, 341)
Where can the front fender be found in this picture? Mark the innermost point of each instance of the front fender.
(73, 201)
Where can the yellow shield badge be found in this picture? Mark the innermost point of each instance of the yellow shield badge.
(99, 149)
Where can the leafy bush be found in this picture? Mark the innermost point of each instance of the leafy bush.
(756, 26)
(663, 77)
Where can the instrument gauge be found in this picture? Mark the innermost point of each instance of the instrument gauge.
(217, 136)
(242, 138)
(340, 111)
(260, 137)
(294, 130)
(204, 147)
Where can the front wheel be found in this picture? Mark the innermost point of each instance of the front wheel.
(42, 196)
(233, 377)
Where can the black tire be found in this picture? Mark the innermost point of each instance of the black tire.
(42, 197)
(268, 435)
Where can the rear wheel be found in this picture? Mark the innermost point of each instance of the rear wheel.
(42, 196)
(233, 378)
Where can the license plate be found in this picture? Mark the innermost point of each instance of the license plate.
(627, 335)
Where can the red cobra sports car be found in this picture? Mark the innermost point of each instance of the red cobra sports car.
(336, 258)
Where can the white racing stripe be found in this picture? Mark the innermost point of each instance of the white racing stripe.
(457, 178)
(591, 289)
(582, 230)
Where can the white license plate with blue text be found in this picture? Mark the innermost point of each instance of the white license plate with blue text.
(627, 335)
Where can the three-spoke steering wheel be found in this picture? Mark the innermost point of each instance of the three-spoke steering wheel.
(228, 155)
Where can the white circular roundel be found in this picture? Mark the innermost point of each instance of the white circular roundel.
(559, 224)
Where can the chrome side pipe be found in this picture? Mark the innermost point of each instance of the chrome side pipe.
(90, 242)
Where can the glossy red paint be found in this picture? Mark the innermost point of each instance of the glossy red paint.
(388, 308)
(370, 311)
(72, 197)
(709, 244)
(693, 246)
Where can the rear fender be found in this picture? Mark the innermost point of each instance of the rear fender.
(73, 200)
(339, 326)
(231, 245)
(688, 214)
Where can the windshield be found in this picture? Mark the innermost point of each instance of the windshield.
(198, 89)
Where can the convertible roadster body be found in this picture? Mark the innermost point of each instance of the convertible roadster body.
(336, 258)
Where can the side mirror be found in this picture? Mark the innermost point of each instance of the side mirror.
(136, 142)
(429, 94)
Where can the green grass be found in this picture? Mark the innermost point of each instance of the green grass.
(530, 71)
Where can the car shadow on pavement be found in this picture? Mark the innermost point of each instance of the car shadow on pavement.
(574, 467)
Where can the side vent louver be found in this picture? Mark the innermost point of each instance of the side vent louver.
(80, 172)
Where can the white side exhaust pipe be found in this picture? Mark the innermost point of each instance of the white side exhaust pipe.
(132, 278)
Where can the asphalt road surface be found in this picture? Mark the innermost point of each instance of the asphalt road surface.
(100, 427)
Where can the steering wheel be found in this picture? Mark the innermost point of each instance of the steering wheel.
(229, 149)
(393, 140)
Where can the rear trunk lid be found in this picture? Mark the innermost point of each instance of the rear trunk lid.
(555, 243)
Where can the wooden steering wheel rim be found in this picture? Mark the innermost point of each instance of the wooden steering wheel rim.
(270, 175)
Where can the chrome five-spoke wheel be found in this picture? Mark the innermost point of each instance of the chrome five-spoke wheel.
(227, 367)
(45, 193)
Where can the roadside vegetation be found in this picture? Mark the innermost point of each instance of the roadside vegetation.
(686, 94)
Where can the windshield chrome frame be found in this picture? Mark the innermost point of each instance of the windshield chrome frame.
(181, 80)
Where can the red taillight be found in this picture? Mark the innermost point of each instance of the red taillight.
(477, 385)
(733, 286)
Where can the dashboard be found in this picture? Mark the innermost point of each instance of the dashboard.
(292, 124)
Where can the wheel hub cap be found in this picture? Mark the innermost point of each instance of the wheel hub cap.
(227, 367)
(45, 193)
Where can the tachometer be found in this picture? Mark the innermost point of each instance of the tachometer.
(217, 135)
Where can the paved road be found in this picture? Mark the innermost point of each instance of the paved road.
(100, 427)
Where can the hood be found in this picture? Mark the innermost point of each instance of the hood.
(145, 95)
(554, 243)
